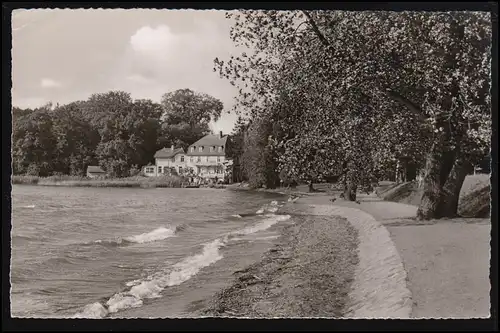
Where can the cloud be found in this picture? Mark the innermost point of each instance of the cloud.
(153, 41)
(49, 83)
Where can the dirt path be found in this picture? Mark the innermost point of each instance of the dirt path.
(447, 261)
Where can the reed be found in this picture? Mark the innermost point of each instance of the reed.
(76, 181)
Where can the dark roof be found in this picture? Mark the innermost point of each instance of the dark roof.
(95, 169)
(206, 142)
(168, 152)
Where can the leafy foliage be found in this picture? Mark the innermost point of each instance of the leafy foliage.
(186, 115)
(110, 129)
(352, 92)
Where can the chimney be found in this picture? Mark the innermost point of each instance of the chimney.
(220, 134)
(172, 147)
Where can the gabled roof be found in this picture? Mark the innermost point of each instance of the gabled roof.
(95, 169)
(168, 152)
(206, 142)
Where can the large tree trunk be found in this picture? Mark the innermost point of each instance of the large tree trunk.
(410, 172)
(350, 184)
(310, 186)
(350, 191)
(450, 194)
(432, 185)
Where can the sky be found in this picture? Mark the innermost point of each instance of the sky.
(63, 55)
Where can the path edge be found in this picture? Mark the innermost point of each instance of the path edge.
(380, 289)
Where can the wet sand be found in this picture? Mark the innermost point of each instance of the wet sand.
(307, 274)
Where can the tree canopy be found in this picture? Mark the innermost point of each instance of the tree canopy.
(352, 91)
(109, 129)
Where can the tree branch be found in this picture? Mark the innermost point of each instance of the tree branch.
(401, 99)
(391, 93)
(315, 28)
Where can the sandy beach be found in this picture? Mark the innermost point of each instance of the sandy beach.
(370, 259)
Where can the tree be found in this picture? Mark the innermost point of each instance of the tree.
(110, 129)
(186, 116)
(235, 148)
(33, 142)
(432, 67)
(259, 158)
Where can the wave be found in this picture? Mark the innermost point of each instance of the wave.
(28, 206)
(269, 208)
(24, 238)
(153, 236)
(152, 286)
(147, 237)
(263, 224)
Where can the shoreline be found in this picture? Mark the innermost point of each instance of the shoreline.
(308, 273)
(333, 262)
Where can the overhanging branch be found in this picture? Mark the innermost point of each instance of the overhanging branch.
(401, 99)
(315, 28)
(391, 93)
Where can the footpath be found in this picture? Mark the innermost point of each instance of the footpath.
(446, 262)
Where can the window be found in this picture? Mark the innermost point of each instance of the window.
(192, 149)
(218, 159)
(182, 158)
(207, 158)
(150, 170)
(180, 170)
(200, 149)
(220, 149)
(199, 159)
(159, 169)
(211, 149)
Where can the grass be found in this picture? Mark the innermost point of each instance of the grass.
(75, 181)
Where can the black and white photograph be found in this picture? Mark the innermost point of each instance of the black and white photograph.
(250, 163)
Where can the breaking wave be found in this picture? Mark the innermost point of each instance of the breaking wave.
(151, 287)
(266, 223)
(269, 208)
(147, 237)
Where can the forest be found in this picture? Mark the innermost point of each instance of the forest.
(108, 129)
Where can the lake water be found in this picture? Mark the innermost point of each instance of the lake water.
(149, 253)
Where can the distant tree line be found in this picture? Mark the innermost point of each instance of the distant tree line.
(108, 129)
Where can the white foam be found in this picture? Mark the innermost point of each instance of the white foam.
(28, 206)
(264, 224)
(92, 311)
(133, 283)
(155, 235)
(122, 301)
(236, 215)
(154, 285)
(180, 272)
(272, 207)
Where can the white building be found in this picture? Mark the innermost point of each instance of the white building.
(206, 158)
